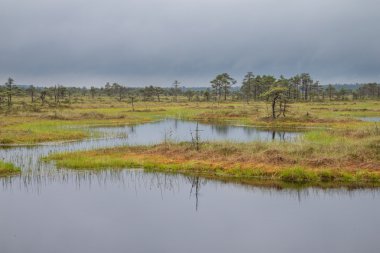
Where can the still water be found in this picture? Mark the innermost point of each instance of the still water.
(370, 119)
(51, 210)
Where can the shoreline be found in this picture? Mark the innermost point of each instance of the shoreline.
(236, 163)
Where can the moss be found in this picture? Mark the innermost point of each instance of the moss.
(326, 176)
(298, 175)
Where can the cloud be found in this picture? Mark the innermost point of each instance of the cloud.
(156, 41)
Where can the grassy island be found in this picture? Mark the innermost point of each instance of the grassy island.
(8, 169)
(348, 156)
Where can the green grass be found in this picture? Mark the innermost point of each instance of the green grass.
(25, 125)
(305, 162)
(336, 147)
(290, 175)
(7, 169)
(319, 136)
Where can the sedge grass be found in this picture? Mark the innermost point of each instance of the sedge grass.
(7, 169)
(33, 123)
(301, 162)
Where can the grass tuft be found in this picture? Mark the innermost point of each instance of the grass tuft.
(8, 169)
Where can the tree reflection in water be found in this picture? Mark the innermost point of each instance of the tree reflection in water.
(280, 136)
(140, 180)
(196, 183)
(37, 175)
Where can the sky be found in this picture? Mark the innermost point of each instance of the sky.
(154, 42)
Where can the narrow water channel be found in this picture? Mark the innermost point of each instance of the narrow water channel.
(28, 157)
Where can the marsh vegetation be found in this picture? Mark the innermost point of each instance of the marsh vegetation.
(8, 169)
(305, 132)
(110, 163)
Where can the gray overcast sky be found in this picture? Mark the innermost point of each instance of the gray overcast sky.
(141, 42)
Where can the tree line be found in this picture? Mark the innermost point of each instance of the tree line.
(223, 87)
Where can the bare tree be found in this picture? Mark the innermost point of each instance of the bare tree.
(196, 137)
(43, 96)
(176, 86)
(132, 98)
(31, 90)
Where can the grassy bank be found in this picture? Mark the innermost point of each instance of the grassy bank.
(8, 169)
(321, 156)
(28, 124)
(47, 126)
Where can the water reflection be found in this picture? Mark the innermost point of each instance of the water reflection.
(223, 130)
(117, 210)
(28, 157)
(36, 174)
(180, 130)
(279, 136)
(138, 211)
(166, 184)
(196, 183)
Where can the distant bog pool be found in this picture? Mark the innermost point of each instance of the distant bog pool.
(370, 119)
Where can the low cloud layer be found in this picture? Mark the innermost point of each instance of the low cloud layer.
(83, 42)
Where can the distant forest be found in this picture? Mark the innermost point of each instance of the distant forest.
(223, 87)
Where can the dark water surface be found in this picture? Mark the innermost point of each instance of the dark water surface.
(51, 210)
